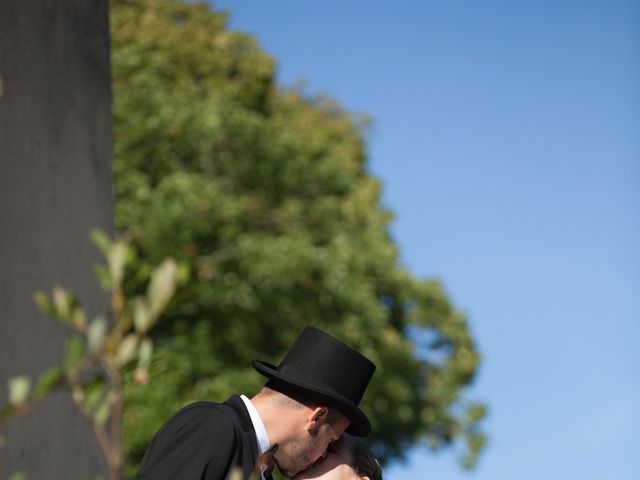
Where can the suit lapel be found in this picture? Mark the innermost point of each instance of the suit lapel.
(249, 439)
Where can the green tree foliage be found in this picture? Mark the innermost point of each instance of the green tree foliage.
(262, 195)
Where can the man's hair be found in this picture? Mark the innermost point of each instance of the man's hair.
(289, 397)
(363, 461)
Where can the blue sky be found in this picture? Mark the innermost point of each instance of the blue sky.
(507, 137)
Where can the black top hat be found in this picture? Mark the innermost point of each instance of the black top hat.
(324, 366)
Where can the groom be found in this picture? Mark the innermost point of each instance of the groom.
(307, 402)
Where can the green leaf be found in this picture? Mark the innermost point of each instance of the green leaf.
(142, 318)
(127, 349)
(47, 381)
(183, 273)
(18, 476)
(77, 393)
(116, 259)
(19, 389)
(103, 409)
(104, 276)
(63, 302)
(236, 474)
(45, 304)
(75, 350)
(162, 286)
(101, 240)
(145, 353)
(93, 392)
(78, 318)
(96, 333)
(476, 412)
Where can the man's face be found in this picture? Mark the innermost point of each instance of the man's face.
(336, 465)
(302, 451)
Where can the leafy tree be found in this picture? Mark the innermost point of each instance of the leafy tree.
(263, 196)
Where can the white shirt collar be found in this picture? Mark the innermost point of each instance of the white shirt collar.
(258, 426)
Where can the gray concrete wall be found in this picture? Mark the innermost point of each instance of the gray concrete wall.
(55, 185)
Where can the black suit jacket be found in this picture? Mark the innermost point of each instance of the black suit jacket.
(203, 441)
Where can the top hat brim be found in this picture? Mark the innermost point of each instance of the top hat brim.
(359, 423)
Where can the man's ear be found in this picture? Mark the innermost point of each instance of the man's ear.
(316, 417)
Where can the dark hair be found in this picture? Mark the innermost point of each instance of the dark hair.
(363, 461)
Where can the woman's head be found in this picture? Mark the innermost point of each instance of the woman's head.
(363, 461)
(347, 459)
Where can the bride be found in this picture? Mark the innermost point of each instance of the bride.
(347, 459)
